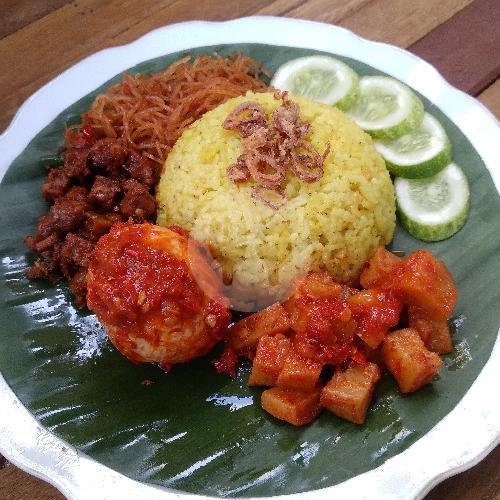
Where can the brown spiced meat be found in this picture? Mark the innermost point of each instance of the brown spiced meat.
(101, 182)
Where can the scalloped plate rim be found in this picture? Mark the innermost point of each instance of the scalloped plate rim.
(26, 443)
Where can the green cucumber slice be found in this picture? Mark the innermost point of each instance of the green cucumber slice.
(320, 78)
(386, 108)
(434, 208)
(423, 152)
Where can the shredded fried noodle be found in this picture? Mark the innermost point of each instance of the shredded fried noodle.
(150, 112)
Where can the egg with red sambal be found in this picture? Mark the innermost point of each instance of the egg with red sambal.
(156, 295)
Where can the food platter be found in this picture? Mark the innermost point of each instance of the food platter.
(82, 463)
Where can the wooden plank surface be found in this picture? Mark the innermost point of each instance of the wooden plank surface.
(16, 484)
(475, 31)
(398, 22)
(38, 40)
(88, 28)
(18, 13)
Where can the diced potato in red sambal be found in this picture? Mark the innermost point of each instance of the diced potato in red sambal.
(315, 285)
(308, 292)
(375, 311)
(378, 268)
(425, 282)
(299, 373)
(440, 339)
(435, 333)
(294, 407)
(407, 358)
(324, 326)
(270, 321)
(269, 360)
(349, 392)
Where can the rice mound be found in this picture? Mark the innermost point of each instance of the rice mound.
(334, 224)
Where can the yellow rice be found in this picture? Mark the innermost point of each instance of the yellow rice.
(334, 224)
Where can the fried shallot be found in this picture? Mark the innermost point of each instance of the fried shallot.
(271, 149)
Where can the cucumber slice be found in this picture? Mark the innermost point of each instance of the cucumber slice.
(435, 208)
(386, 108)
(423, 152)
(320, 78)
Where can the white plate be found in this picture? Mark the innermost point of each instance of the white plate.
(457, 442)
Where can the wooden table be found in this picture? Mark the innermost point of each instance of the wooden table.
(461, 38)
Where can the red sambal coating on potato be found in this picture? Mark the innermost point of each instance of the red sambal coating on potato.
(324, 326)
(141, 286)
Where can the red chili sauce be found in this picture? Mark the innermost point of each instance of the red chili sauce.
(143, 290)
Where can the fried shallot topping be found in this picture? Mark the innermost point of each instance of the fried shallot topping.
(271, 149)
